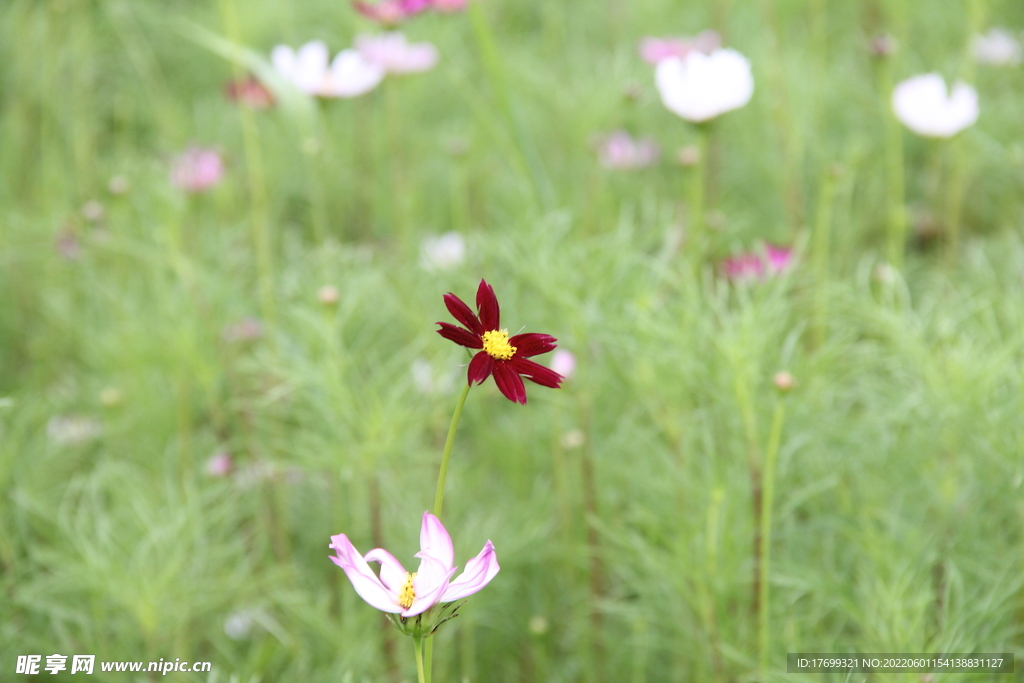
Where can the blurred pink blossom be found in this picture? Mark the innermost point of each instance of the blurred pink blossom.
(391, 12)
(219, 464)
(654, 50)
(393, 53)
(250, 92)
(620, 150)
(563, 362)
(751, 266)
(197, 169)
(449, 5)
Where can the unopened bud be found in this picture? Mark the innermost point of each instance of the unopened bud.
(328, 295)
(784, 381)
(538, 625)
(688, 156)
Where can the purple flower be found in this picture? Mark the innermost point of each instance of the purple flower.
(751, 266)
(197, 169)
(619, 150)
(411, 593)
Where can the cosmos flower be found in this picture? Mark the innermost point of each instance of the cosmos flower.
(699, 87)
(998, 47)
(411, 593)
(391, 12)
(197, 169)
(752, 266)
(654, 50)
(618, 150)
(448, 6)
(250, 92)
(393, 53)
(444, 252)
(923, 105)
(349, 74)
(504, 357)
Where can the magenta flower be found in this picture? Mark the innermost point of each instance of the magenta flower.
(619, 150)
(449, 5)
(397, 591)
(754, 266)
(654, 50)
(502, 356)
(197, 169)
(391, 12)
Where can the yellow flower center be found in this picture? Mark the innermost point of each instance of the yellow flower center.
(408, 593)
(496, 345)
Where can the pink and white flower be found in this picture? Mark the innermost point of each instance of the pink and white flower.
(923, 105)
(397, 591)
(197, 169)
(654, 50)
(348, 75)
(619, 150)
(752, 266)
(699, 87)
(393, 53)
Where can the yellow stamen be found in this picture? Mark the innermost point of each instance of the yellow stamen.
(496, 345)
(407, 594)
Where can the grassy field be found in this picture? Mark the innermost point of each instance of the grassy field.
(187, 416)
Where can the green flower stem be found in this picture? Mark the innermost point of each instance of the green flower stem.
(770, 459)
(695, 198)
(820, 251)
(446, 456)
(896, 213)
(422, 672)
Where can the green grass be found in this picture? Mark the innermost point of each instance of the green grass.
(897, 517)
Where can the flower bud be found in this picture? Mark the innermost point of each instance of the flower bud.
(784, 382)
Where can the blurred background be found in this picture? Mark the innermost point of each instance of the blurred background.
(217, 347)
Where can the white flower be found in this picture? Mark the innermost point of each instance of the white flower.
(923, 105)
(349, 75)
(700, 87)
(393, 53)
(443, 253)
(998, 47)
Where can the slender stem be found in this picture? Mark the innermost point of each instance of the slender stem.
(422, 674)
(695, 196)
(896, 213)
(820, 254)
(446, 456)
(770, 458)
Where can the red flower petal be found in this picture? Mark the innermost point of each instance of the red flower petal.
(460, 336)
(480, 368)
(532, 344)
(509, 383)
(536, 372)
(487, 307)
(461, 312)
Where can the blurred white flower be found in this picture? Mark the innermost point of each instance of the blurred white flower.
(998, 46)
(619, 150)
(443, 253)
(349, 75)
(923, 105)
(428, 381)
(393, 53)
(574, 438)
(699, 87)
(238, 625)
(71, 430)
(563, 362)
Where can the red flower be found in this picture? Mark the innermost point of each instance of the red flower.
(502, 356)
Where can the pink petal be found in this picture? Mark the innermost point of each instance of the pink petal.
(366, 583)
(430, 583)
(392, 573)
(435, 541)
(479, 572)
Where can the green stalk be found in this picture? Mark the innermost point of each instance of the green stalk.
(256, 178)
(770, 458)
(820, 248)
(446, 456)
(422, 673)
(695, 196)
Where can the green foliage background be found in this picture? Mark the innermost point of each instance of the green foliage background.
(898, 506)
